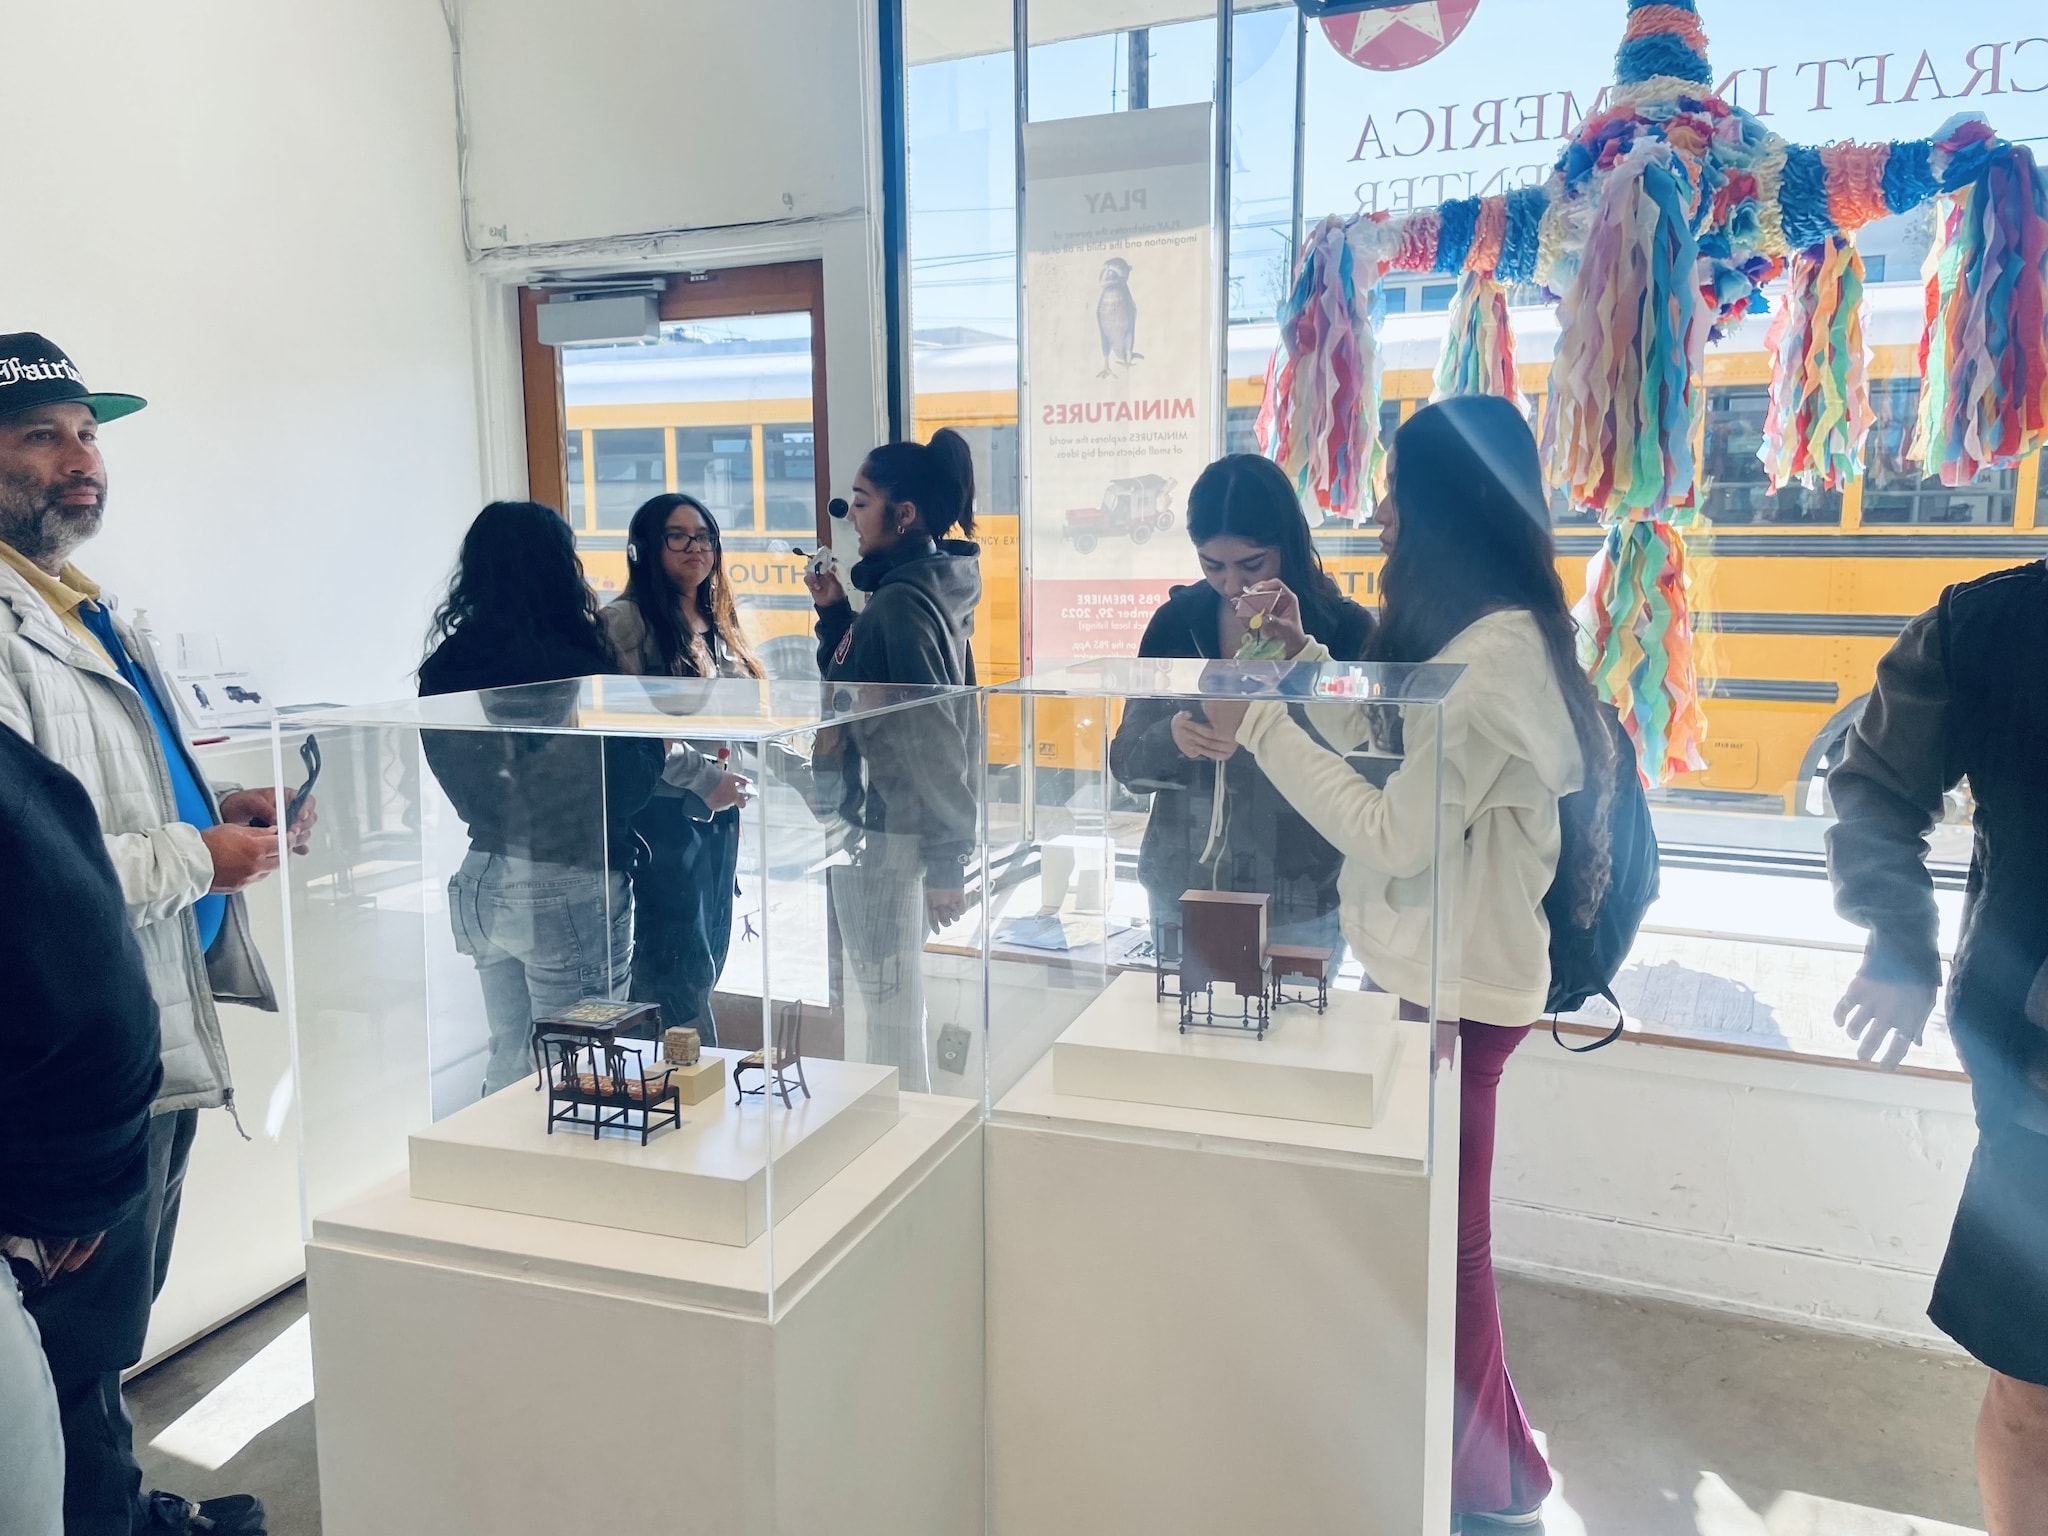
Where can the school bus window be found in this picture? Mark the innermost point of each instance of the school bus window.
(629, 470)
(1738, 486)
(1397, 299)
(790, 458)
(1240, 433)
(1896, 493)
(572, 460)
(716, 465)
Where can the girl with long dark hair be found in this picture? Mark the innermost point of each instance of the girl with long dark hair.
(541, 903)
(677, 618)
(906, 779)
(1217, 822)
(1471, 577)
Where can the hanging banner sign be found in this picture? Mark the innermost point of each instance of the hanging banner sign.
(1119, 396)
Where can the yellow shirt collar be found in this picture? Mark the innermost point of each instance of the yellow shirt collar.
(63, 592)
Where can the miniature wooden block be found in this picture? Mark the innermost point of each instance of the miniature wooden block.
(699, 1081)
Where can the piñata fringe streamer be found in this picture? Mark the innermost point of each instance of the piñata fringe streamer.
(1625, 381)
(1639, 646)
(1984, 353)
(1820, 379)
(1320, 419)
(1479, 353)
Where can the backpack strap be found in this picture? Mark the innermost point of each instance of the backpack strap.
(1614, 1034)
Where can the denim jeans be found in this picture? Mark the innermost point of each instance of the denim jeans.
(544, 937)
(682, 911)
(31, 1438)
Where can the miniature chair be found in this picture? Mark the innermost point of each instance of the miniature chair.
(783, 1053)
(603, 1084)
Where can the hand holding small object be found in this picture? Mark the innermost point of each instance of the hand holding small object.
(1272, 615)
(1198, 740)
(241, 854)
(732, 789)
(1225, 716)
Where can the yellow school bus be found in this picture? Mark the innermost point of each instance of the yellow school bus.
(1800, 591)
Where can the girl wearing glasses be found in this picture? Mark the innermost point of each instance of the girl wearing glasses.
(676, 618)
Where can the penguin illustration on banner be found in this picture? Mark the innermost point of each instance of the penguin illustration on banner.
(1116, 316)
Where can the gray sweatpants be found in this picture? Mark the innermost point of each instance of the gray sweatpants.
(878, 904)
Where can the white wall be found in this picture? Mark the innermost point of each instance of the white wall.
(248, 213)
(1807, 1192)
(612, 135)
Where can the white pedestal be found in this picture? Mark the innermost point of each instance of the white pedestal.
(709, 1179)
(1211, 1323)
(488, 1374)
(1333, 1067)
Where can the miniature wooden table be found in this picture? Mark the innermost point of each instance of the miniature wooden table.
(1307, 961)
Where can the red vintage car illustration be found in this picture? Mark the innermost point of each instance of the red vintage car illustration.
(1133, 508)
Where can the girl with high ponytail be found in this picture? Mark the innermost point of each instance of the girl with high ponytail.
(907, 779)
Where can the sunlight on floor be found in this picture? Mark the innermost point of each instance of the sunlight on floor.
(275, 1382)
(1720, 1511)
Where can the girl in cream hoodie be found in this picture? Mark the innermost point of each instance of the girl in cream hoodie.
(1471, 579)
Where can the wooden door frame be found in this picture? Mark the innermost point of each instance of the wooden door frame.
(782, 287)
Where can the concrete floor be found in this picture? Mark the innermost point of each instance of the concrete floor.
(1662, 1421)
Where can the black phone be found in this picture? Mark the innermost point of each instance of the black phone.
(309, 754)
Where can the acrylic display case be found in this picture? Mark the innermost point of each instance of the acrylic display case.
(685, 1258)
(1222, 1132)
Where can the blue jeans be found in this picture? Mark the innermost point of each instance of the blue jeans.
(544, 937)
(31, 1437)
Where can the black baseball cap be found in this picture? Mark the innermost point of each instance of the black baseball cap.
(35, 372)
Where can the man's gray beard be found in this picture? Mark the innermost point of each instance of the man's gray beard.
(47, 533)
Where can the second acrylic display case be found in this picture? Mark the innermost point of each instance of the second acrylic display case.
(1221, 1151)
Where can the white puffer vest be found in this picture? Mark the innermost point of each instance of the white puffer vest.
(62, 696)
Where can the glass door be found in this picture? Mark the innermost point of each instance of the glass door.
(725, 402)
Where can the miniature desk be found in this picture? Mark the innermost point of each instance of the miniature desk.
(826, 1377)
(1212, 1323)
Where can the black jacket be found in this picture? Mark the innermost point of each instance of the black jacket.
(1960, 695)
(911, 772)
(530, 792)
(79, 1054)
(1266, 845)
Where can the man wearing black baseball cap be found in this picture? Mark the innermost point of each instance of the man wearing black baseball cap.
(83, 687)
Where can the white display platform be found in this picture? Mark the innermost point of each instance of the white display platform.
(1210, 1323)
(1334, 1067)
(709, 1179)
(482, 1373)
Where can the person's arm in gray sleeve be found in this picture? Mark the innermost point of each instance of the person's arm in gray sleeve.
(1888, 790)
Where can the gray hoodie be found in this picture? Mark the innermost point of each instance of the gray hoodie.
(912, 772)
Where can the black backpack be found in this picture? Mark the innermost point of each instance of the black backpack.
(1585, 961)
